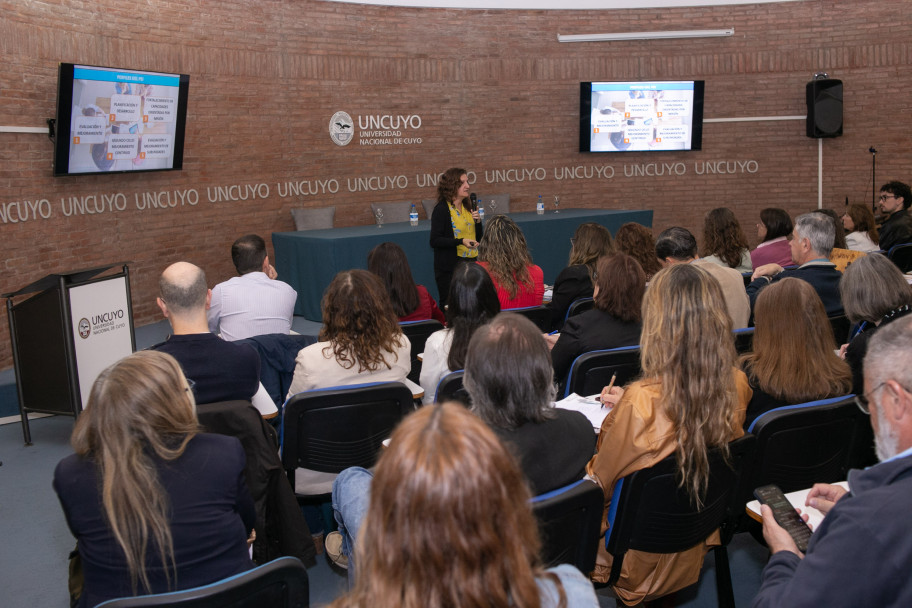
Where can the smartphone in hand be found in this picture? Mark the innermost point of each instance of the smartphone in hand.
(785, 514)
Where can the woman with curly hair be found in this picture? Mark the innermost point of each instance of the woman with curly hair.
(155, 505)
(590, 242)
(456, 228)
(637, 241)
(793, 359)
(410, 302)
(724, 242)
(861, 230)
(445, 521)
(504, 254)
(691, 398)
(360, 340)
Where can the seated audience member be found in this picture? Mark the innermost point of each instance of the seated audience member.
(774, 228)
(691, 398)
(839, 234)
(874, 293)
(509, 378)
(154, 504)
(217, 370)
(411, 302)
(861, 553)
(590, 242)
(256, 302)
(793, 359)
(895, 198)
(360, 340)
(678, 246)
(504, 254)
(724, 241)
(473, 302)
(615, 319)
(811, 244)
(446, 522)
(858, 222)
(637, 241)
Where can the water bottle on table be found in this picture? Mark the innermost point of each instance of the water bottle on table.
(413, 215)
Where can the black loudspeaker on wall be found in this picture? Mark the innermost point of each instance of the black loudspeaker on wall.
(824, 102)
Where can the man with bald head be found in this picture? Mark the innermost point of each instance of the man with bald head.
(217, 370)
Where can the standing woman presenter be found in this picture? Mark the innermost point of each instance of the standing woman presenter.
(455, 228)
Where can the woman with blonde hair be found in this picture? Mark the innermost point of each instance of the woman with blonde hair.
(155, 505)
(793, 359)
(503, 252)
(590, 242)
(860, 228)
(360, 340)
(724, 242)
(691, 398)
(638, 242)
(446, 522)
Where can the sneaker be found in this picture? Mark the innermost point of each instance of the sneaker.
(333, 546)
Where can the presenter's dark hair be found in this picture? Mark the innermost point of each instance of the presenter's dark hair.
(777, 221)
(359, 322)
(448, 184)
(508, 372)
(389, 262)
(248, 253)
(899, 189)
(472, 303)
(676, 243)
(621, 285)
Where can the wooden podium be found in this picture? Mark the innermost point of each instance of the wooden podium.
(71, 327)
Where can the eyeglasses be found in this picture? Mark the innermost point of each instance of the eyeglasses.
(884, 197)
(862, 401)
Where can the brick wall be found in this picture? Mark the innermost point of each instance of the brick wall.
(494, 90)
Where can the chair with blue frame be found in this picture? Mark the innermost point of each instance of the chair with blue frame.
(540, 315)
(592, 371)
(579, 305)
(569, 523)
(418, 332)
(281, 583)
(450, 388)
(901, 255)
(651, 512)
(744, 340)
(328, 430)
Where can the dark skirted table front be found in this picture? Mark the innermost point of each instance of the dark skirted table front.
(309, 259)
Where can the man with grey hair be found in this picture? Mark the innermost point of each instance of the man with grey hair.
(811, 244)
(677, 245)
(217, 370)
(861, 554)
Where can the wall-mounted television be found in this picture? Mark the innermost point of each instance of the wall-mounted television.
(112, 120)
(641, 116)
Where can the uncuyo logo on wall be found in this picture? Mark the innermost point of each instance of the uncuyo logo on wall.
(84, 328)
(341, 128)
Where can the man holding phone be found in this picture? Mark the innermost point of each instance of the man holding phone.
(861, 554)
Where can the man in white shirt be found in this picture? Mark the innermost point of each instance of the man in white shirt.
(254, 303)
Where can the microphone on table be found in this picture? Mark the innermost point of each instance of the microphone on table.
(474, 200)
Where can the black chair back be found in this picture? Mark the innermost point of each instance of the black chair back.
(819, 441)
(450, 388)
(652, 513)
(540, 315)
(333, 429)
(744, 340)
(418, 332)
(578, 306)
(281, 583)
(901, 255)
(841, 328)
(569, 522)
(591, 372)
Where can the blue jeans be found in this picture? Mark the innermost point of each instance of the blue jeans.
(350, 500)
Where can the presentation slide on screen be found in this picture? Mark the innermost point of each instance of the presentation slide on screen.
(122, 120)
(631, 116)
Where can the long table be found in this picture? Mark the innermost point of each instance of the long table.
(309, 259)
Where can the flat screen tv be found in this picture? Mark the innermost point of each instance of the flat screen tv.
(641, 116)
(113, 120)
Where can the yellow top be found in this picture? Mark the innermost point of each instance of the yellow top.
(463, 228)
